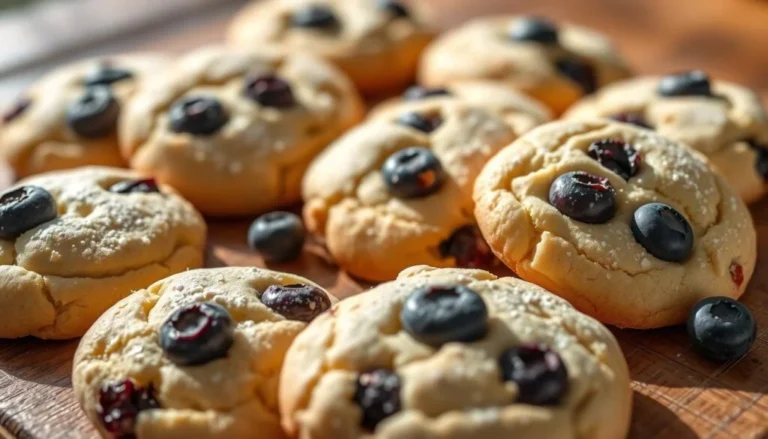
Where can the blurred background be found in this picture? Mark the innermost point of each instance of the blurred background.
(725, 37)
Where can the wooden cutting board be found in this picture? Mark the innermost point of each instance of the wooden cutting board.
(677, 394)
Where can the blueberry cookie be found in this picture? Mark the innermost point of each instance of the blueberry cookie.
(554, 65)
(724, 121)
(397, 190)
(196, 355)
(72, 243)
(69, 118)
(521, 112)
(376, 42)
(455, 354)
(630, 227)
(234, 131)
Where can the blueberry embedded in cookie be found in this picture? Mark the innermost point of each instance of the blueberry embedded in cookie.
(670, 232)
(72, 243)
(197, 115)
(194, 355)
(446, 353)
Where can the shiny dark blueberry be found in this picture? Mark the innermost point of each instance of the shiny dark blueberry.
(25, 208)
(144, 186)
(277, 236)
(761, 162)
(315, 16)
(721, 328)
(632, 118)
(663, 232)
(418, 121)
(417, 92)
(95, 113)
(413, 172)
(579, 72)
(197, 334)
(539, 373)
(616, 155)
(105, 73)
(468, 248)
(583, 197)
(397, 8)
(18, 108)
(378, 395)
(534, 29)
(693, 83)
(436, 315)
(197, 115)
(296, 301)
(270, 91)
(120, 404)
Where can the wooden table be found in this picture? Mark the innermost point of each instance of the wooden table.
(677, 394)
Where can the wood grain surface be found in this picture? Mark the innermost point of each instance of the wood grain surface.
(677, 394)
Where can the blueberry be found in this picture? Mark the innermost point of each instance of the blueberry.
(693, 83)
(25, 208)
(413, 172)
(631, 118)
(95, 113)
(761, 161)
(197, 115)
(270, 91)
(425, 124)
(315, 17)
(579, 72)
(417, 92)
(721, 328)
(143, 186)
(539, 372)
(663, 232)
(296, 302)
(583, 197)
(534, 29)
(616, 155)
(468, 248)
(17, 109)
(378, 395)
(437, 315)
(397, 8)
(197, 334)
(278, 236)
(104, 73)
(120, 404)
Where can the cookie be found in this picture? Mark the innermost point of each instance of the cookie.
(72, 243)
(234, 131)
(724, 121)
(629, 226)
(69, 118)
(196, 355)
(376, 42)
(455, 354)
(396, 191)
(554, 65)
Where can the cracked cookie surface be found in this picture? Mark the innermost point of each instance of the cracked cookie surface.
(59, 276)
(234, 131)
(377, 43)
(234, 396)
(455, 391)
(373, 232)
(35, 135)
(729, 126)
(557, 73)
(603, 268)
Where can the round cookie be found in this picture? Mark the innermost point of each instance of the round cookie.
(455, 354)
(195, 355)
(724, 121)
(396, 191)
(72, 243)
(630, 227)
(69, 118)
(234, 131)
(376, 42)
(555, 66)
